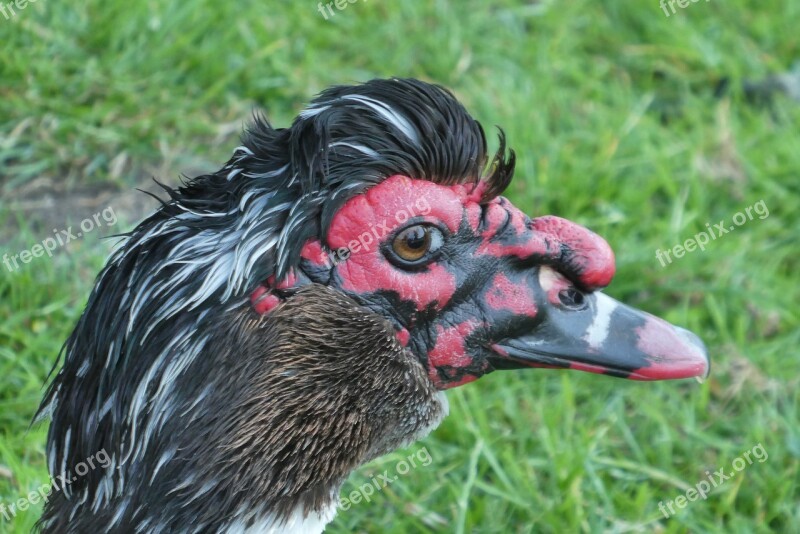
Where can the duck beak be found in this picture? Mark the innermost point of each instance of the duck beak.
(606, 337)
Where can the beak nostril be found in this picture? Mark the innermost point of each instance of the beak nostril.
(571, 298)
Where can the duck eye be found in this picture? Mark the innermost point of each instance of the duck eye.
(416, 242)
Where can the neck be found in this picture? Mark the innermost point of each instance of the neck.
(261, 429)
(298, 522)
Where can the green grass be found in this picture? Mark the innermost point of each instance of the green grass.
(610, 108)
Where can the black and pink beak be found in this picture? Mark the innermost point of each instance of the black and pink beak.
(598, 334)
(576, 326)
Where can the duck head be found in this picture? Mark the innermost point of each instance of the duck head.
(277, 323)
(472, 284)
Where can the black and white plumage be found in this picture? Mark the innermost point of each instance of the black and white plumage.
(130, 377)
(222, 414)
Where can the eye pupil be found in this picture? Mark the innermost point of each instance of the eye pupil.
(417, 238)
(414, 243)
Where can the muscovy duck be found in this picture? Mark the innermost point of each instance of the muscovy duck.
(277, 324)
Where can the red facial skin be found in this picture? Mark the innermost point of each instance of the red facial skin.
(368, 220)
(592, 258)
(314, 253)
(263, 301)
(517, 298)
(381, 210)
(451, 352)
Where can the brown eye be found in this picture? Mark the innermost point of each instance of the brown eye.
(415, 242)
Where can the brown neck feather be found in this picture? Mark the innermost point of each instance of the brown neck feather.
(273, 416)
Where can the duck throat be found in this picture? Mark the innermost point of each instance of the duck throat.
(267, 422)
(328, 388)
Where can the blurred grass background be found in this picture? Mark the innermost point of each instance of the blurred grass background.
(625, 120)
